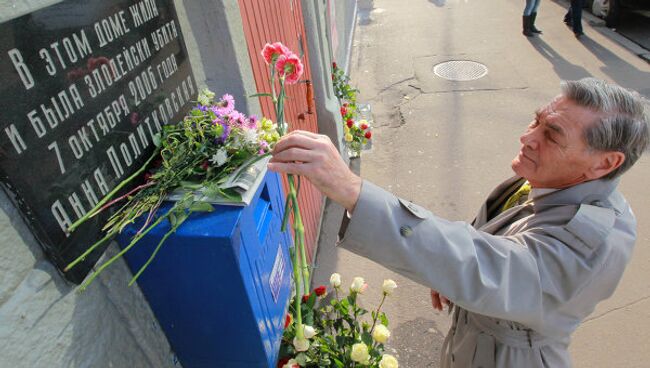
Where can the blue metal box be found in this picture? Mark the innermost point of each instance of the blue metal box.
(220, 285)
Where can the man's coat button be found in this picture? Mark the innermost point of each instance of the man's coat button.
(406, 231)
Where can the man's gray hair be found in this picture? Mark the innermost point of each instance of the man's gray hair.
(623, 123)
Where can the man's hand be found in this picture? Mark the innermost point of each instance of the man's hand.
(315, 157)
(439, 301)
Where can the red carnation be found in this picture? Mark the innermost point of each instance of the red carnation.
(287, 320)
(364, 126)
(350, 123)
(305, 298)
(368, 135)
(334, 65)
(344, 111)
(321, 290)
(282, 362)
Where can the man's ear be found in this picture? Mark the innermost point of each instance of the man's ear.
(606, 162)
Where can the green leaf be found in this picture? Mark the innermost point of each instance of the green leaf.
(366, 338)
(261, 95)
(156, 140)
(201, 207)
(383, 319)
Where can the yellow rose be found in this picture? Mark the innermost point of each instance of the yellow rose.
(380, 334)
(388, 361)
(360, 353)
(348, 137)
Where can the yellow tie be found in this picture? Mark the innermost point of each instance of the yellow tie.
(514, 199)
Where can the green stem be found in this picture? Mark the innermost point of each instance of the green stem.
(374, 320)
(153, 255)
(88, 251)
(112, 193)
(299, 234)
(126, 249)
(298, 297)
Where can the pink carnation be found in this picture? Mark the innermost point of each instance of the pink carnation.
(290, 67)
(272, 51)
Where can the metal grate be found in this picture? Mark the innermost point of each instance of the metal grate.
(460, 70)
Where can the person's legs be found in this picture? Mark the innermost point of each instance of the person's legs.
(533, 16)
(528, 9)
(576, 16)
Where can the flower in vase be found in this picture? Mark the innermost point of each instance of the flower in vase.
(388, 361)
(363, 124)
(219, 158)
(344, 111)
(335, 280)
(309, 331)
(271, 52)
(368, 135)
(360, 353)
(321, 290)
(348, 137)
(300, 344)
(358, 285)
(389, 286)
(380, 334)
(290, 67)
(350, 123)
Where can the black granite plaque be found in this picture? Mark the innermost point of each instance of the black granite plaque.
(84, 87)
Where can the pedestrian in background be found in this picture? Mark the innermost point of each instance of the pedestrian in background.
(573, 17)
(530, 13)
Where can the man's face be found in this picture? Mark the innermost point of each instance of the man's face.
(553, 153)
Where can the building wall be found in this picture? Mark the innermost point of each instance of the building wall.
(44, 321)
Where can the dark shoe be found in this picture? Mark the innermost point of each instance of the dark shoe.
(532, 24)
(578, 34)
(526, 23)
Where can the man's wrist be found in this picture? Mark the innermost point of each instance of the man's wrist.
(349, 202)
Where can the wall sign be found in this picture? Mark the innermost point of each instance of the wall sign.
(85, 86)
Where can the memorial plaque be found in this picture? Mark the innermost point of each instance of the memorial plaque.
(84, 88)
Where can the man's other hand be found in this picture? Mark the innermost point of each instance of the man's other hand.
(315, 157)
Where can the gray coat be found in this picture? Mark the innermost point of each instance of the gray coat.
(521, 281)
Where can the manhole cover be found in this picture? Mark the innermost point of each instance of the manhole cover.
(460, 70)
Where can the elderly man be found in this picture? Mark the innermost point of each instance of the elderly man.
(544, 249)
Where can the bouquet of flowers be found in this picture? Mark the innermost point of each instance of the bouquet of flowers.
(202, 151)
(357, 131)
(336, 334)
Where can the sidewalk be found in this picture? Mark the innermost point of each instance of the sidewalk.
(445, 145)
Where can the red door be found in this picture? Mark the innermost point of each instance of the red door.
(281, 20)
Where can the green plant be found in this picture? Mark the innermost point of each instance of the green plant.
(339, 333)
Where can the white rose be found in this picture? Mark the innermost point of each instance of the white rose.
(335, 280)
(388, 361)
(309, 331)
(380, 334)
(358, 285)
(389, 286)
(360, 353)
(219, 158)
(300, 344)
